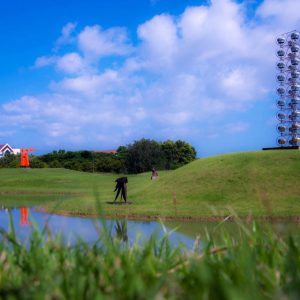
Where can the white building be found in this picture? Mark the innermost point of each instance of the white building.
(7, 149)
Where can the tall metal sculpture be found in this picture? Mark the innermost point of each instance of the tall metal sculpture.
(24, 157)
(288, 89)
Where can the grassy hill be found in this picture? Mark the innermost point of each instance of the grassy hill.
(259, 183)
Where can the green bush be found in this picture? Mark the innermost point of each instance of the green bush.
(54, 164)
(10, 161)
(35, 162)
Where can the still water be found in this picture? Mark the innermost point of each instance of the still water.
(74, 228)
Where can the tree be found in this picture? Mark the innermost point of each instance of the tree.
(186, 153)
(170, 153)
(10, 161)
(143, 155)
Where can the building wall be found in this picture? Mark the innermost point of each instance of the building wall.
(16, 151)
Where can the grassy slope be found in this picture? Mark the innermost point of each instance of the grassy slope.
(260, 183)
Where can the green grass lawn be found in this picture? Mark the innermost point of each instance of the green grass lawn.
(260, 183)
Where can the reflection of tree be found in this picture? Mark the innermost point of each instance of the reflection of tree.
(121, 230)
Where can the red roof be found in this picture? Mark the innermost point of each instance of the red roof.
(107, 151)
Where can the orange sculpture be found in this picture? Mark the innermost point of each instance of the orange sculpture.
(24, 216)
(24, 163)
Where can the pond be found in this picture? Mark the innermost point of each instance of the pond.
(73, 228)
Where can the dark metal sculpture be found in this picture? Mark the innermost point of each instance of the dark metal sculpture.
(121, 187)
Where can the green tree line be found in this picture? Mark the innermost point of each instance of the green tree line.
(140, 156)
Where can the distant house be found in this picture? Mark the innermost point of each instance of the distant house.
(7, 149)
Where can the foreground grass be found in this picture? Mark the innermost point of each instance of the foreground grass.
(264, 183)
(254, 264)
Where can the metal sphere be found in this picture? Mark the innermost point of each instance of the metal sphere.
(295, 74)
(281, 116)
(292, 68)
(292, 105)
(292, 93)
(281, 128)
(280, 78)
(295, 36)
(281, 103)
(295, 48)
(281, 91)
(281, 141)
(295, 100)
(291, 55)
(280, 65)
(295, 114)
(280, 41)
(295, 61)
(294, 141)
(295, 126)
(293, 130)
(295, 87)
(280, 53)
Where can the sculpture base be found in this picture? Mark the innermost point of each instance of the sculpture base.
(283, 148)
(119, 202)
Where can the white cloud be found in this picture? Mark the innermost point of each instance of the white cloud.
(217, 28)
(66, 35)
(95, 42)
(281, 13)
(184, 72)
(71, 63)
(159, 37)
(44, 61)
(89, 84)
(241, 84)
(23, 104)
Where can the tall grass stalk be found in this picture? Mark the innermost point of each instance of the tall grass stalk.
(256, 264)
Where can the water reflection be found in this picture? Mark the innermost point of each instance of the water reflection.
(121, 230)
(24, 213)
(86, 229)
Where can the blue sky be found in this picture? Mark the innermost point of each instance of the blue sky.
(99, 74)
